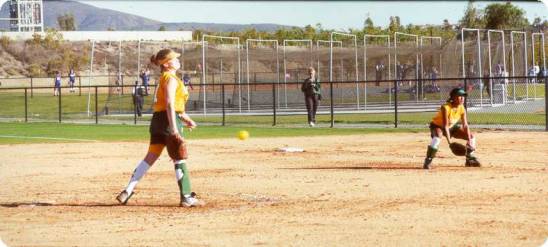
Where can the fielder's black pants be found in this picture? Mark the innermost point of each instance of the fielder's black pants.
(312, 103)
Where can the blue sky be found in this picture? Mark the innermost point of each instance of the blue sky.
(331, 14)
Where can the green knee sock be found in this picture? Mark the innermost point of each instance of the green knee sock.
(184, 180)
(431, 152)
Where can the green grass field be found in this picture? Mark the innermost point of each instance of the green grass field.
(11, 133)
(43, 107)
(421, 118)
(521, 91)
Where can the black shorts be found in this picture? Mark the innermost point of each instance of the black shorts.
(159, 127)
(456, 128)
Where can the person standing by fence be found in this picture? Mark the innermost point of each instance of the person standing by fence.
(145, 78)
(138, 100)
(312, 95)
(186, 81)
(57, 83)
(72, 79)
(379, 71)
(487, 82)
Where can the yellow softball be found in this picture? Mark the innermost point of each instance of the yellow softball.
(242, 135)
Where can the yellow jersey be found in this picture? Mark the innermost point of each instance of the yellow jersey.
(455, 115)
(181, 93)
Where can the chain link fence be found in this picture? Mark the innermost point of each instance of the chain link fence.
(379, 80)
(385, 103)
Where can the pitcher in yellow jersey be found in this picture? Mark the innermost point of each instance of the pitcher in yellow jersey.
(166, 128)
(451, 121)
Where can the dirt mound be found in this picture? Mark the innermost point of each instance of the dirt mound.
(10, 66)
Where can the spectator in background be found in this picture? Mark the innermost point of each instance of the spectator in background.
(531, 74)
(313, 94)
(72, 79)
(399, 72)
(499, 72)
(379, 70)
(145, 78)
(405, 69)
(487, 82)
(537, 73)
(434, 75)
(57, 83)
(542, 75)
(498, 69)
(186, 81)
(138, 98)
(471, 73)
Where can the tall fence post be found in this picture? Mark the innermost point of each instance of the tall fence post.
(26, 106)
(273, 104)
(396, 89)
(331, 110)
(31, 88)
(546, 100)
(466, 90)
(96, 106)
(60, 104)
(223, 102)
(133, 98)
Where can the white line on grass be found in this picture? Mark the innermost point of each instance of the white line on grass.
(47, 138)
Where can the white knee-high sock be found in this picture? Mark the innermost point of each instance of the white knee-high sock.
(138, 173)
(435, 143)
(473, 142)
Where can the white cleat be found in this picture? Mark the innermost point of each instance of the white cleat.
(191, 201)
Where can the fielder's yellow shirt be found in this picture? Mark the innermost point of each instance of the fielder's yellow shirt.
(455, 114)
(181, 93)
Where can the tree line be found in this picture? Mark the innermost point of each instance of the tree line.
(502, 16)
(494, 16)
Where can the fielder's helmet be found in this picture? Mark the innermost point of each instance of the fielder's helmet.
(458, 92)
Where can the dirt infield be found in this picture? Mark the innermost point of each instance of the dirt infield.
(344, 190)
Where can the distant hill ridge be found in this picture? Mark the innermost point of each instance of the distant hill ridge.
(90, 18)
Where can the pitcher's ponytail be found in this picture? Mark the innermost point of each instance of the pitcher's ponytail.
(153, 60)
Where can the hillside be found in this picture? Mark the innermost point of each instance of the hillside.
(90, 18)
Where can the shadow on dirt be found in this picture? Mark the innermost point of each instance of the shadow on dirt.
(86, 204)
(356, 168)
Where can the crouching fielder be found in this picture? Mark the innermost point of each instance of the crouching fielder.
(166, 128)
(446, 123)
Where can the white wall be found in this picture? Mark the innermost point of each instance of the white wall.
(109, 35)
